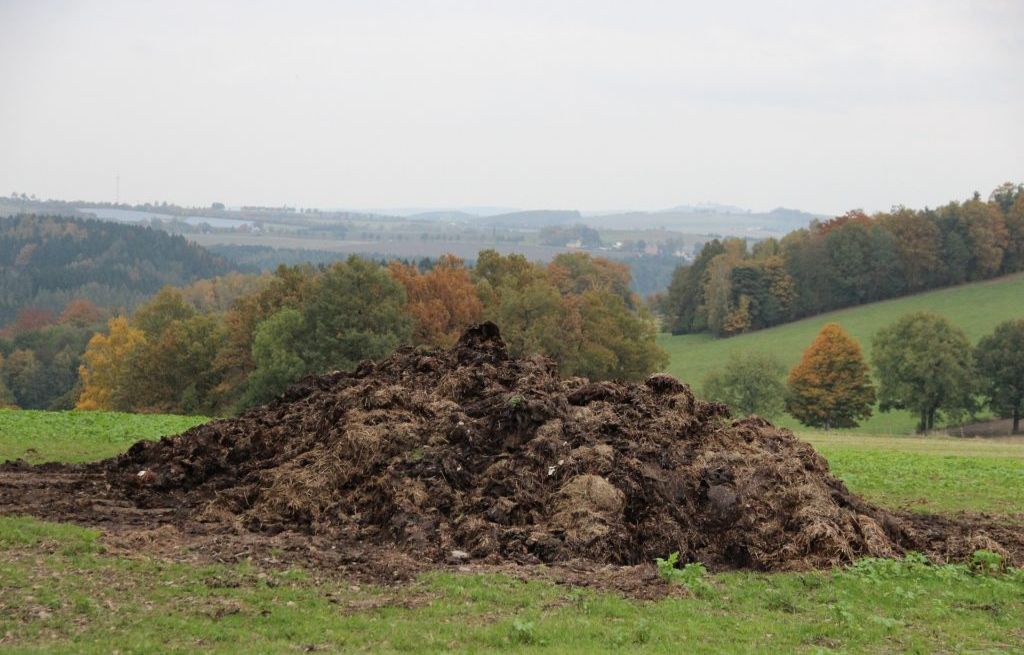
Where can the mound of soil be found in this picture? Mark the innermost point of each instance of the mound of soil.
(468, 457)
(468, 454)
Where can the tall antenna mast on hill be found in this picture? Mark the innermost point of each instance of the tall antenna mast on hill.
(117, 193)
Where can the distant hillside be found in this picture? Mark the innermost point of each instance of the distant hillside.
(713, 219)
(976, 308)
(45, 261)
(705, 208)
(532, 219)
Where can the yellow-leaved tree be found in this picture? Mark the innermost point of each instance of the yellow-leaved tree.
(831, 387)
(105, 369)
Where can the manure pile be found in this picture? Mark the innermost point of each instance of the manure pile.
(471, 452)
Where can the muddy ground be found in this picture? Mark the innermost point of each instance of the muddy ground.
(76, 494)
(470, 459)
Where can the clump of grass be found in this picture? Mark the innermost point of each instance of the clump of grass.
(27, 531)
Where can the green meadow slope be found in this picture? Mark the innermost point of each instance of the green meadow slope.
(976, 308)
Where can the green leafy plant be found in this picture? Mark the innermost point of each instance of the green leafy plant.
(524, 632)
(667, 567)
(642, 632)
(985, 562)
(690, 576)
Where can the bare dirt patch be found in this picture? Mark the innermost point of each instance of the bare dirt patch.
(468, 458)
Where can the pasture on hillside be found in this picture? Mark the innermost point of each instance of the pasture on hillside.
(975, 308)
(77, 589)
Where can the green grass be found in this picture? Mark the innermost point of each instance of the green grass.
(929, 474)
(58, 600)
(976, 308)
(39, 436)
(60, 592)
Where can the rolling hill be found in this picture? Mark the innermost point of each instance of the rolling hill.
(976, 308)
(46, 261)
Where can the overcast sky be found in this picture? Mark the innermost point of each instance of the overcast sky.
(588, 105)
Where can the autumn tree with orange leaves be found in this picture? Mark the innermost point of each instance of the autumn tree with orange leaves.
(80, 313)
(831, 386)
(441, 302)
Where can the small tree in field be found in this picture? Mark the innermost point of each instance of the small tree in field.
(1000, 359)
(926, 365)
(830, 387)
(749, 384)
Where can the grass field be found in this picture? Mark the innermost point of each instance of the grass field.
(929, 474)
(38, 436)
(976, 308)
(63, 593)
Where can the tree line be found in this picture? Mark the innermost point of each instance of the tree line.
(922, 363)
(41, 350)
(48, 261)
(171, 355)
(849, 260)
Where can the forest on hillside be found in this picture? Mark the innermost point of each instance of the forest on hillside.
(849, 260)
(48, 261)
(216, 346)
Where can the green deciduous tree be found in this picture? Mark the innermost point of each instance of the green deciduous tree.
(277, 362)
(685, 294)
(1013, 257)
(167, 306)
(722, 312)
(578, 311)
(850, 253)
(924, 364)
(355, 311)
(26, 379)
(575, 273)
(287, 288)
(603, 339)
(918, 244)
(831, 386)
(519, 298)
(6, 397)
(1000, 359)
(986, 237)
(749, 384)
(174, 370)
